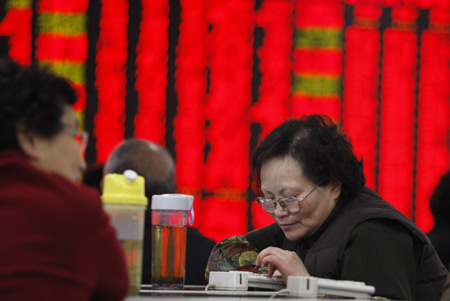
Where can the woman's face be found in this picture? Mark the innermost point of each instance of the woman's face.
(61, 154)
(284, 177)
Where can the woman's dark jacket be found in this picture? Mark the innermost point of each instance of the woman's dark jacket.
(401, 251)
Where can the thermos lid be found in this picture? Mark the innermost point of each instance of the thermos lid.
(127, 188)
(172, 201)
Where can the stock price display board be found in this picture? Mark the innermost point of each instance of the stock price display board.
(208, 79)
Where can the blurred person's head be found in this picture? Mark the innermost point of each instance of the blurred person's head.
(302, 169)
(149, 160)
(440, 200)
(37, 119)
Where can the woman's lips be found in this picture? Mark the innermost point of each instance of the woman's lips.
(286, 226)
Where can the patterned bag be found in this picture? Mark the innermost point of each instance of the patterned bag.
(232, 254)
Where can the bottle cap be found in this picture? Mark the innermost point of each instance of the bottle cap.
(172, 201)
(127, 188)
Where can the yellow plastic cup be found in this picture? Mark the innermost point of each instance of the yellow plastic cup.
(125, 202)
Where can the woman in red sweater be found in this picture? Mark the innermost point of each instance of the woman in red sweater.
(56, 242)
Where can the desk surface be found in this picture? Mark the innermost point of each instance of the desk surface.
(191, 292)
(197, 292)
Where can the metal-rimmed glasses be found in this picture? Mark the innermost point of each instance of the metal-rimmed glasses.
(290, 203)
(80, 136)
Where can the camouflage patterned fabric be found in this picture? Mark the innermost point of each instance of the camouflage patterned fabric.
(233, 253)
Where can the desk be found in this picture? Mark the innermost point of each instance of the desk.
(196, 292)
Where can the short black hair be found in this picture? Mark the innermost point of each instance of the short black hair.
(34, 98)
(315, 142)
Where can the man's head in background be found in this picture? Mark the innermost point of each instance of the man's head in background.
(156, 165)
(149, 160)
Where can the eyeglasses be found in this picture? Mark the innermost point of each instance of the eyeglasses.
(80, 136)
(290, 204)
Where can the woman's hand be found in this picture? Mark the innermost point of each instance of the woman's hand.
(286, 262)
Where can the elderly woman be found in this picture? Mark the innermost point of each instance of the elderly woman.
(327, 223)
(57, 243)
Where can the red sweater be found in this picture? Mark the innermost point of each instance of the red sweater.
(56, 243)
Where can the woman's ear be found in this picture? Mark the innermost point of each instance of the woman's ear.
(26, 142)
(336, 188)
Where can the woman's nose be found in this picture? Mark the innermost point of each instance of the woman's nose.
(280, 211)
